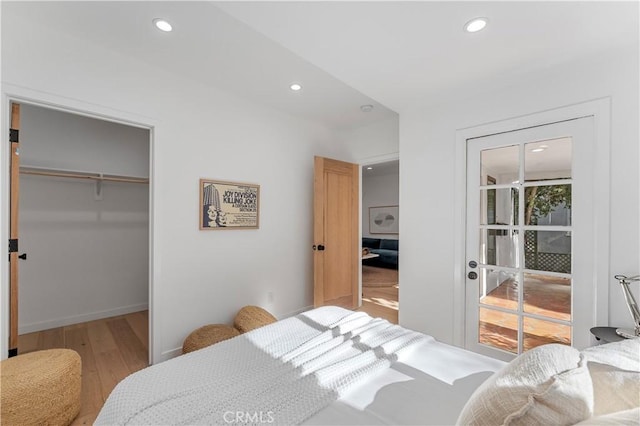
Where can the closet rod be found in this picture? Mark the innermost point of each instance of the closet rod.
(82, 175)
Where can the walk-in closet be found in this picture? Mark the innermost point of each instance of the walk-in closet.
(83, 227)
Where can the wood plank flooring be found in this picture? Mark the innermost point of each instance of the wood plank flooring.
(381, 302)
(380, 293)
(110, 348)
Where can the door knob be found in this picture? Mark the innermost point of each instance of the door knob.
(321, 247)
(23, 256)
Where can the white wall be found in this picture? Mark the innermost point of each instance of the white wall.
(51, 138)
(87, 258)
(427, 147)
(377, 140)
(378, 191)
(198, 276)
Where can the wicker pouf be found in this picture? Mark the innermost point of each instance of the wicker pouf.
(208, 335)
(41, 388)
(252, 317)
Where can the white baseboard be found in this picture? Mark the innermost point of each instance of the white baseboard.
(296, 312)
(75, 319)
(171, 353)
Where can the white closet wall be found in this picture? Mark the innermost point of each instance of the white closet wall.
(86, 258)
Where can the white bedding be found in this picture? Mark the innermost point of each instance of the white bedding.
(325, 366)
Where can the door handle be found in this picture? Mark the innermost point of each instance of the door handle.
(321, 247)
(23, 256)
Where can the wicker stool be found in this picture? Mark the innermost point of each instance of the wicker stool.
(41, 388)
(252, 317)
(208, 335)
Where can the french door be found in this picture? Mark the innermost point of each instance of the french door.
(529, 238)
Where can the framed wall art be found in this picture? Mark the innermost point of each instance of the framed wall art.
(229, 205)
(383, 220)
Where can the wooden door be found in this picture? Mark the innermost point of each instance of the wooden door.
(13, 230)
(336, 256)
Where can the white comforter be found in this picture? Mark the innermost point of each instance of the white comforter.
(324, 366)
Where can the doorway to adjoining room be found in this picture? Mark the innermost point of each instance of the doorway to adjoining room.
(380, 232)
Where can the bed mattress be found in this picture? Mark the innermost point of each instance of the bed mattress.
(322, 367)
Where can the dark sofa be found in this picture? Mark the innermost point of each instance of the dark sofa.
(387, 249)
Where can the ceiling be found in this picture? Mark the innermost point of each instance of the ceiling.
(407, 54)
(381, 169)
(209, 46)
(393, 55)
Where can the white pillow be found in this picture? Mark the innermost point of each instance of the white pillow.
(625, 417)
(546, 385)
(615, 373)
(624, 354)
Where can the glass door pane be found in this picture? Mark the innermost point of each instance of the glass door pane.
(539, 332)
(547, 296)
(498, 330)
(548, 160)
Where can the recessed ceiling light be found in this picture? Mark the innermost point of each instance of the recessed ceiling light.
(162, 25)
(369, 168)
(475, 25)
(295, 87)
(537, 149)
(366, 108)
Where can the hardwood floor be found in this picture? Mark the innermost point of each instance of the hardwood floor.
(381, 302)
(110, 348)
(380, 293)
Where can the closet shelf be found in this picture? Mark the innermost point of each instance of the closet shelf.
(74, 174)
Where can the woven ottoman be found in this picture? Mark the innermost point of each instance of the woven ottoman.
(252, 317)
(41, 388)
(208, 335)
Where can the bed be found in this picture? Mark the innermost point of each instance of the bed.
(332, 366)
(325, 366)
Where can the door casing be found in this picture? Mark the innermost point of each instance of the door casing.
(22, 95)
(599, 109)
(13, 227)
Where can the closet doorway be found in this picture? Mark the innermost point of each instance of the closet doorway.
(83, 223)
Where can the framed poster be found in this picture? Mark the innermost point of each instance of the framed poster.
(383, 220)
(229, 205)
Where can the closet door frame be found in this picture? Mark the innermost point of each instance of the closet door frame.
(21, 95)
(14, 215)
